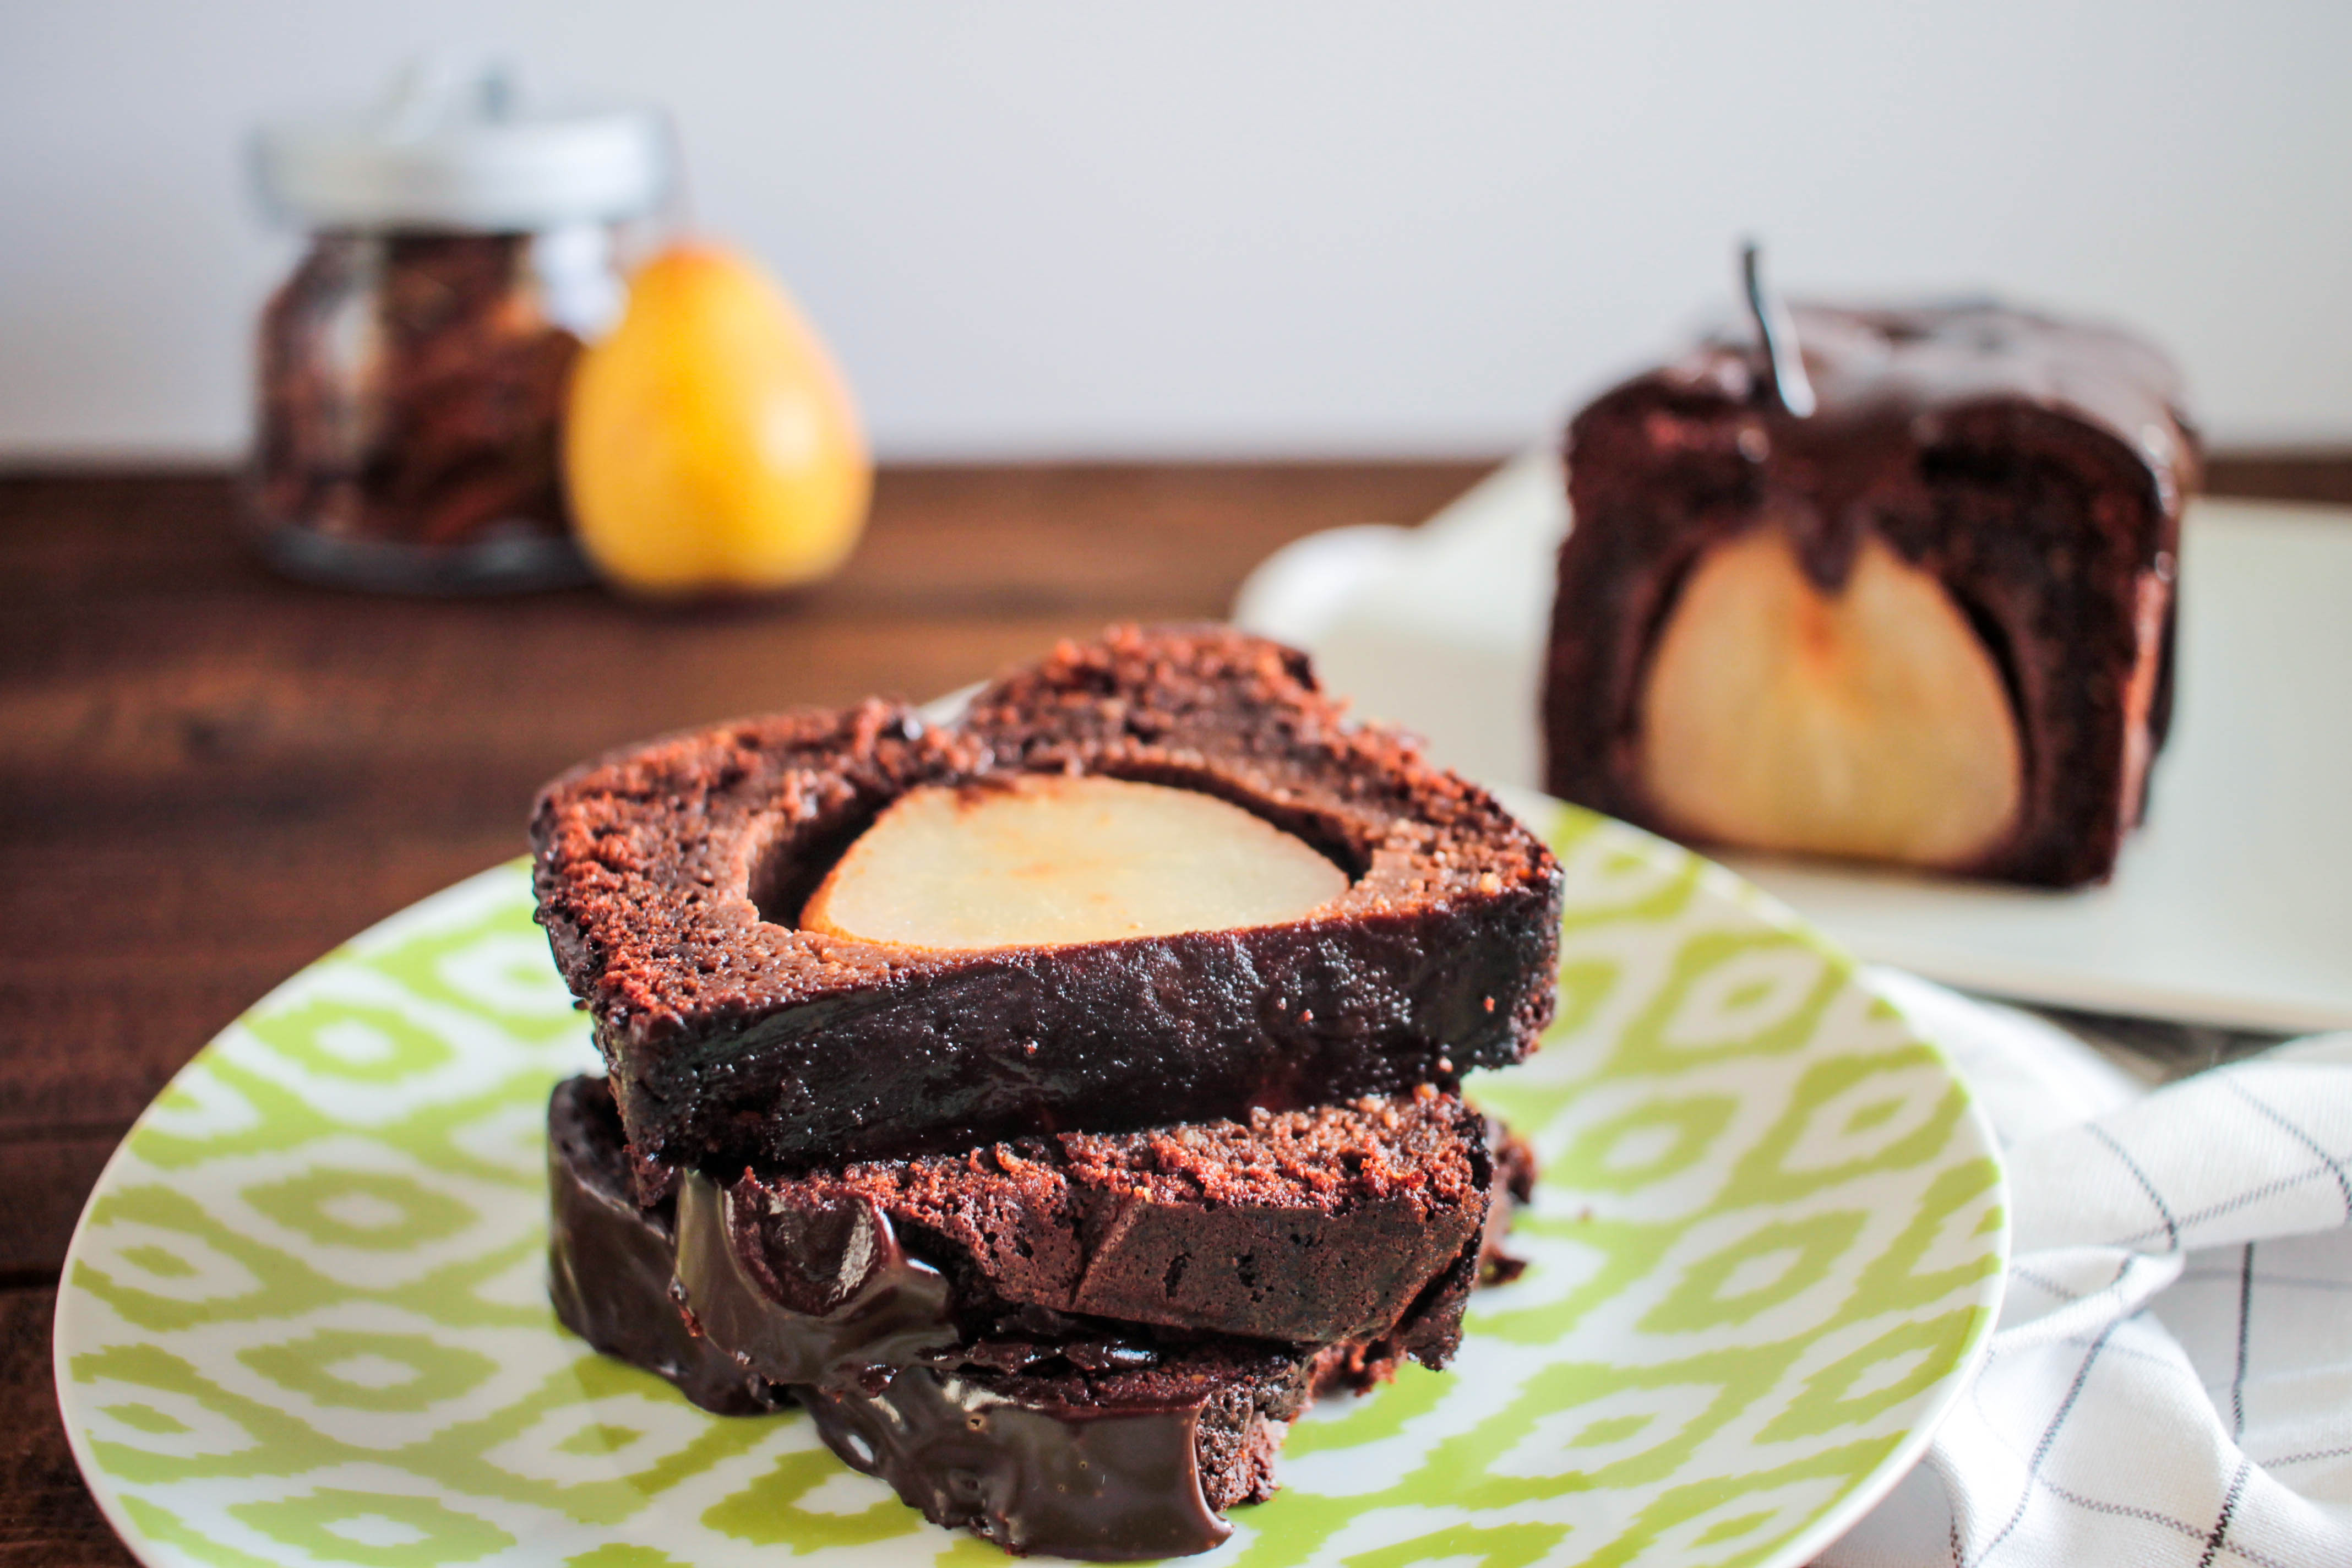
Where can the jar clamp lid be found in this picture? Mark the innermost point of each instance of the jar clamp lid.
(448, 150)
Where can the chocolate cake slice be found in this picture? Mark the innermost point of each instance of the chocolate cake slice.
(672, 881)
(1927, 621)
(1041, 1433)
(1038, 1443)
(1037, 1429)
(1362, 1226)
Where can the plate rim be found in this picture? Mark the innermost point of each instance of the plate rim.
(1912, 1446)
(150, 1552)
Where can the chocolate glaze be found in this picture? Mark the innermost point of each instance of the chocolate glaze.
(821, 1293)
(1112, 1465)
(2037, 468)
(609, 1262)
(668, 877)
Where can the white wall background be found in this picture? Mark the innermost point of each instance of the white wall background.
(1223, 227)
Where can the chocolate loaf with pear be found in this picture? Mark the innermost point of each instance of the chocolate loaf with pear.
(1928, 620)
(812, 939)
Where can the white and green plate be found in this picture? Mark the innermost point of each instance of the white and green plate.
(304, 1321)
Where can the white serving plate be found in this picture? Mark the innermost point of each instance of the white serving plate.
(2233, 906)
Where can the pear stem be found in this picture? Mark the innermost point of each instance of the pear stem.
(1784, 360)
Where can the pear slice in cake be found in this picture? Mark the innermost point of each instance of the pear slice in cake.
(1868, 721)
(1043, 859)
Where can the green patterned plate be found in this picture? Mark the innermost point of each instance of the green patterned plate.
(304, 1320)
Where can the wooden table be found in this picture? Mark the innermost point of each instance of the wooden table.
(211, 776)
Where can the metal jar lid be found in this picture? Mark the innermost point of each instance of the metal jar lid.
(450, 149)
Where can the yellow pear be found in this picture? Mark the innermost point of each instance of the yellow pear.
(709, 445)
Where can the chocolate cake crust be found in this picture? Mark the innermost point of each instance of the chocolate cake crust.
(669, 877)
(2036, 469)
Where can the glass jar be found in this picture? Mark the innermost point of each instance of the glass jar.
(412, 369)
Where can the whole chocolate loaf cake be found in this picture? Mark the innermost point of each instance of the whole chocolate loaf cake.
(672, 878)
(1927, 621)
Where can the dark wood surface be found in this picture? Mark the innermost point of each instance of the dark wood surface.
(209, 776)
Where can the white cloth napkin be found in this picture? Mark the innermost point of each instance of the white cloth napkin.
(2171, 1378)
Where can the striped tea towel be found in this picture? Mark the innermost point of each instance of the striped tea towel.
(2171, 1380)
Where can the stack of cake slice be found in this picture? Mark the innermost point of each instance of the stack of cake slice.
(1052, 1101)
